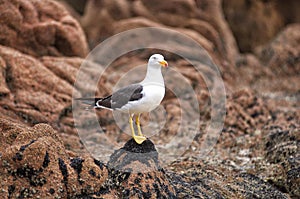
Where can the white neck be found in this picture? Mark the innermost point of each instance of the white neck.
(154, 75)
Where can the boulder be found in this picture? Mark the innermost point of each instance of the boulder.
(282, 54)
(34, 163)
(201, 20)
(246, 16)
(41, 28)
(31, 92)
(135, 173)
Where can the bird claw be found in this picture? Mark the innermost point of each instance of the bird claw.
(139, 139)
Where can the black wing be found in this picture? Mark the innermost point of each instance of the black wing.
(117, 99)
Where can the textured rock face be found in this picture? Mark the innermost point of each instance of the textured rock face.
(267, 18)
(135, 172)
(214, 184)
(41, 50)
(37, 90)
(262, 16)
(282, 152)
(202, 20)
(40, 28)
(263, 141)
(30, 90)
(34, 163)
(283, 51)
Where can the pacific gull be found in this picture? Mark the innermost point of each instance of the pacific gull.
(136, 99)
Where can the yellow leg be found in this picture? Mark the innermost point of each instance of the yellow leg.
(138, 138)
(131, 126)
(138, 124)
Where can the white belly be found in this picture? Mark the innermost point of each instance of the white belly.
(152, 97)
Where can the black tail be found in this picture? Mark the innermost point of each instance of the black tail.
(97, 102)
(89, 101)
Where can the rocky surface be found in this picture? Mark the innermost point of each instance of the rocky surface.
(34, 163)
(42, 47)
(41, 28)
(267, 18)
(202, 20)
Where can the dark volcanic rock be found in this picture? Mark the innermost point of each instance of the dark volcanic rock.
(282, 152)
(134, 172)
(200, 180)
(135, 158)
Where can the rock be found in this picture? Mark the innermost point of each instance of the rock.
(245, 112)
(77, 5)
(256, 155)
(246, 16)
(282, 152)
(283, 54)
(134, 172)
(289, 11)
(34, 163)
(41, 28)
(270, 71)
(200, 180)
(201, 21)
(26, 95)
(107, 12)
(40, 90)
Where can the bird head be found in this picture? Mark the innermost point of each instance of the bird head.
(157, 60)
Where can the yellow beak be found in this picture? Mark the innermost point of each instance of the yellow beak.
(164, 63)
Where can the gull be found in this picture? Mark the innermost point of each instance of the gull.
(136, 99)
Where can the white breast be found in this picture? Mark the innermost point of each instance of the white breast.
(152, 97)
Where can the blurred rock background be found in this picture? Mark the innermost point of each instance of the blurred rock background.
(255, 43)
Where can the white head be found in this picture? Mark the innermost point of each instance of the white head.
(157, 60)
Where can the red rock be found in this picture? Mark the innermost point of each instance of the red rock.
(34, 163)
(41, 28)
(201, 21)
(28, 82)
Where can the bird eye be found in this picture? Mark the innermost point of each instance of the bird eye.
(154, 57)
